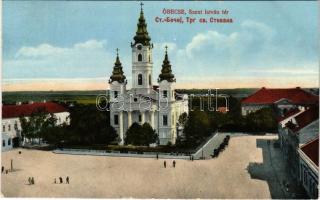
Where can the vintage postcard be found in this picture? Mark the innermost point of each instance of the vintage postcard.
(160, 99)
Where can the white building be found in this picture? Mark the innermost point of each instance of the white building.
(11, 127)
(160, 106)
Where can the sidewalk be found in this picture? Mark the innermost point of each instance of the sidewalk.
(118, 154)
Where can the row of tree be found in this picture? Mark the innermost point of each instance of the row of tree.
(87, 126)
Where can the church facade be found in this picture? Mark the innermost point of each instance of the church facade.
(159, 105)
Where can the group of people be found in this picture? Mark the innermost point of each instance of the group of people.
(221, 147)
(31, 180)
(173, 164)
(6, 171)
(61, 180)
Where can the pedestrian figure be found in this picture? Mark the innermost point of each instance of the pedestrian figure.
(287, 187)
(6, 171)
(2, 169)
(157, 156)
(32, 180)
(61, 181)
(192, 157)
(165, 164)
(11, 169)
(55, 180)
(174, 163)
(67, 180)
(29, 180)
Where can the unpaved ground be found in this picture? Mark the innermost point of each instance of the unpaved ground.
(115, 177)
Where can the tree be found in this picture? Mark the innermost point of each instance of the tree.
(33, 126)
(261, 121)
(90, 126)
(133, 134)
(149, 134)
(140, 135)
(183, 119)
(196, 128)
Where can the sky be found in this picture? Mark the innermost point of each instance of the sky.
(70, 45)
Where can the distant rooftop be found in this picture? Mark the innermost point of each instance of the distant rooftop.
(304, 119)
(12, 111)
(270, 96)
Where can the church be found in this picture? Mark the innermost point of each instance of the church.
(159, 105)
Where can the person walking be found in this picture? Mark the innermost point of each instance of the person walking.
(55, 181)
(29, 180)
(2, 169)
(165, 164)
(32, 180)
(157, 156)
(67, 180)
(11, 166)
(61, 181)
(174, 163)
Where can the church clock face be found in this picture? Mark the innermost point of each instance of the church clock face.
(139, 47)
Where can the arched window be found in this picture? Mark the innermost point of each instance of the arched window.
(140, 79)
(149, 79)
(139, 57)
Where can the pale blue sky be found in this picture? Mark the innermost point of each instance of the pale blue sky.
(268, 41)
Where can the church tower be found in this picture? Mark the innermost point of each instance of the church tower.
(117, 80)
(166, 79)
(167, 117)
(142, 58)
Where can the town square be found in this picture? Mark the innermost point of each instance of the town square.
(160, 100)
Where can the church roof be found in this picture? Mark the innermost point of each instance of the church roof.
(13, 111)
(166, 72)
(270, 96)
(117, 73)
(142, 35)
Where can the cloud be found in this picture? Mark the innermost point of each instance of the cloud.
(90, 58)
(39, 51)
(249, 52)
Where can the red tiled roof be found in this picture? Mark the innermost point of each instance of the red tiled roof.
(305, 118)
(294, 95)
(290, 113)
(311, 149)
(11, 111)
(222, 109)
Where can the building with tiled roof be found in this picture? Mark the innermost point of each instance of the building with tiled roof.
(309, 167)
(14, 111)
(11, 127)
(283, 99)
(300, 129)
